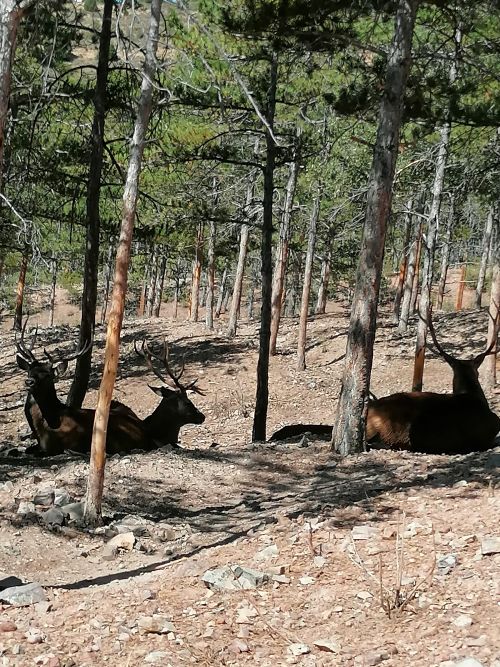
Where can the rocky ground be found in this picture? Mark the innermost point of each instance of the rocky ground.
(232, 553)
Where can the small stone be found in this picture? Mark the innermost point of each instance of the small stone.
(34, 636)
(44, 497)
(371, 658)
(280, 578)
(490, 545)
(364, 532)
(132, 523)
(234, 577)
(22, 596)
(26, 507)
(124, 541)
(364, 595)
(109, 552)
(123, 637)
(156, 623)
(469, 662)
(389, 532)
(327, 645)
(238, 646)
(62, 497)
(462, 621)
(269, 552)
(7, 626)
(307, 581)
(53, 517)
(157, 658)
(75, 511)
(299, 649)
(446, 563)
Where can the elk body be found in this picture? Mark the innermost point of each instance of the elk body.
(58, 427)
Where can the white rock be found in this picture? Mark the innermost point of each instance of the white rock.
(299, 649)
(462, 621)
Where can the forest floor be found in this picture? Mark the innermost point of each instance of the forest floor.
(375, 559)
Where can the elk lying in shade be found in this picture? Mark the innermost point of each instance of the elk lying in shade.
(58, 427)
(427, 422)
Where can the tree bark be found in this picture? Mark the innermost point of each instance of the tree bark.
(107, 282)
(262, 390)
(306, 290)
(151, 292)
(53, 264)
(282, 250)
(160, 282)
(323, 284)
(404, 264)
(490, 363)
(348, 432)
(91, 265)
(196, 276)
(488, 229)
(411, 272)
(93, 500)
(21, 284)
(445, 256)
(222, 291)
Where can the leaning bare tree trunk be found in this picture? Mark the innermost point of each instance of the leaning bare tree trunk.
(21, 284)
(484, 257)
(348, 432)
(404, 263)
(282, 250)
(306, 289)
(411, 272)
(91, 265)
(262, 391)
(196, 279)
(95, 484)
(430, 239)
(490, 364)
(445, 256)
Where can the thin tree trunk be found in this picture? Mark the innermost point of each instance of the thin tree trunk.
(348, 432)
(222, 290)
(196, 279)
(445, 256)
(306, 290)
(141, 306)
(107, 283)
(21, 284)
(411, 272)
(160, 281)
(53, 263)
(323, 284)
(262, 390)
(91, 265)
(484, 257)
(152, 281)
(95, 484)
(430, 239)
(404, 264)
(209, 308)
(250, 301)
(490, 364)
(175, 305)
(282, 250)
(461, 287)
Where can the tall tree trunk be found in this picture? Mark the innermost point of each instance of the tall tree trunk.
(196, 278)
(107, 282)
(262, 390)
(348, 432)
(445, 256)
(21, 284)
(152, 281)
(175, 305)
(411, 273)
(490, 364)
(91, 265)
(306, 289)
(95, 485)
(282, 250)
(404, 264)
(209, 308)
(430, 239)
(484, 257)
(53, 285)
(160, 281)
(461, 287)
(222, 291)
(323, 284)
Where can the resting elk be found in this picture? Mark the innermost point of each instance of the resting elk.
(58, 427)
(427, 422)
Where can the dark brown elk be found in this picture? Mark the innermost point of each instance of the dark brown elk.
(58, 427)
(434, 423)
(428, 422)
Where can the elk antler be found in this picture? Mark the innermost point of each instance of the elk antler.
(442, 352)
(22, 350)
(60, 356)
(148, 355)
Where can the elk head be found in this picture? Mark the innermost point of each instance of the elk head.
(175, 397)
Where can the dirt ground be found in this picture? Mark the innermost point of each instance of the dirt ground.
(346, 541)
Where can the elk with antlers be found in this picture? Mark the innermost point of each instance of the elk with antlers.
(58, 427)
